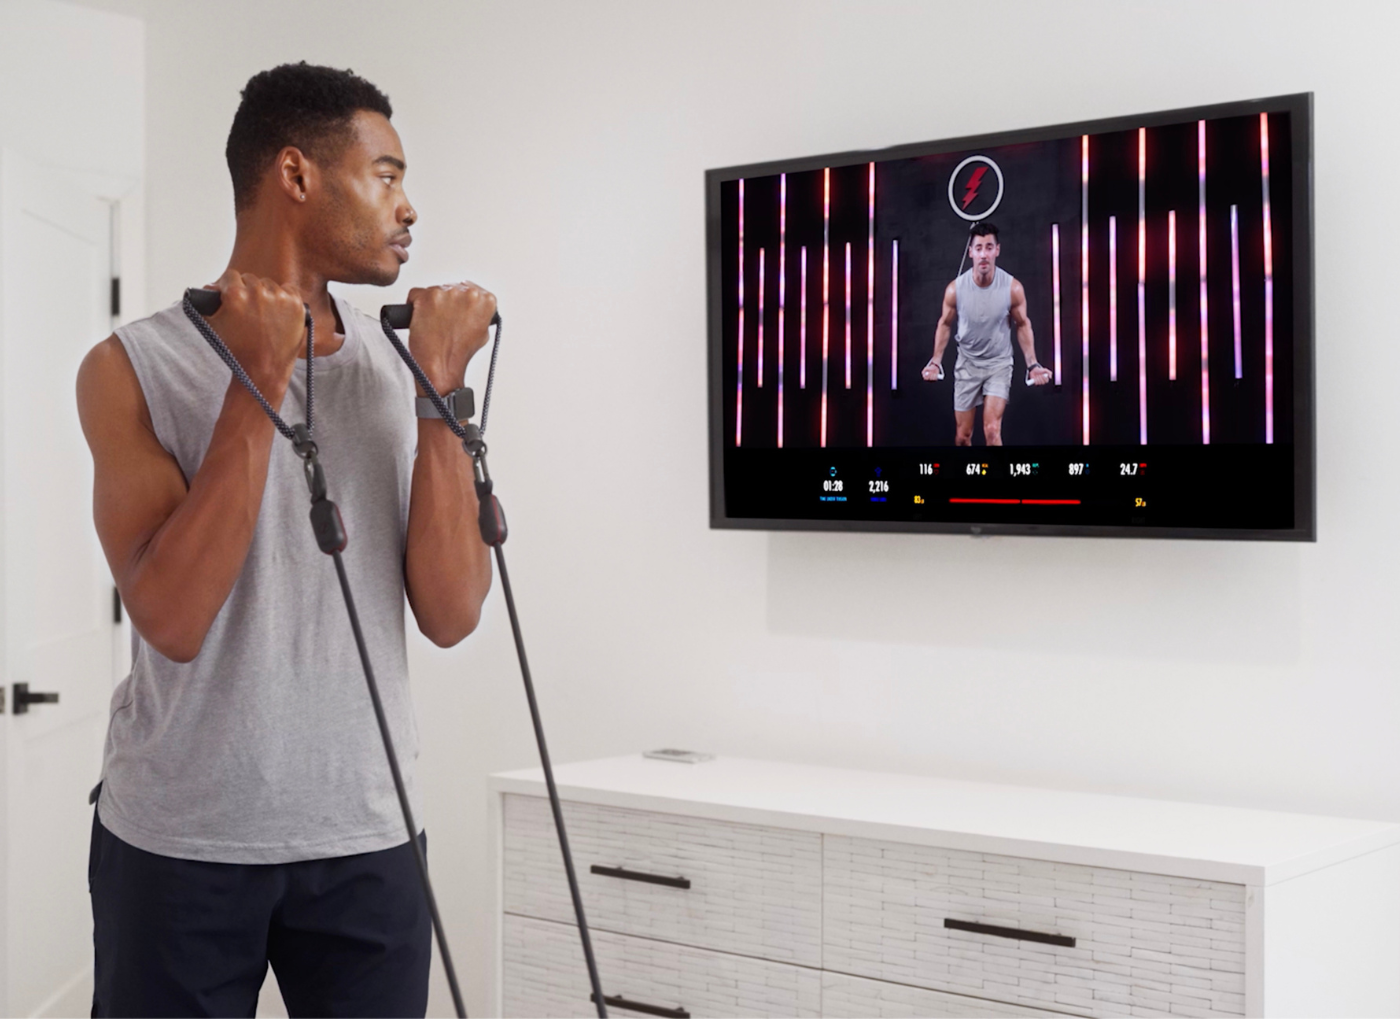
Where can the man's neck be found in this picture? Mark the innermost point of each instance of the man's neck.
(264, 250)
(984, 281)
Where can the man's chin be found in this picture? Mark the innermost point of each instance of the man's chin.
(373, 276)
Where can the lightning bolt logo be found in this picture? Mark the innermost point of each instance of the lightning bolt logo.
(973, 183)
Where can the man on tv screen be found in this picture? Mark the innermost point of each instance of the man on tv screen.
(984, 302)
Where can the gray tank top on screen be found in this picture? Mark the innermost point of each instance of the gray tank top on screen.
(984, 325)
(264, 748)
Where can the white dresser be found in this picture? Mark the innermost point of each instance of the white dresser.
(746, 888)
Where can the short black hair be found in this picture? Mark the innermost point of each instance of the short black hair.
(984, 228)
(303, 105)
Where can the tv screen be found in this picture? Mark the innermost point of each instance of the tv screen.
(1091, 329)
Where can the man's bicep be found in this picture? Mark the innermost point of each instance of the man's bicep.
(137, 484)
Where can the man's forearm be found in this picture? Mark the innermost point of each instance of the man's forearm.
(183, 575)
(941, 336)
(1026, 338)
(447, 567)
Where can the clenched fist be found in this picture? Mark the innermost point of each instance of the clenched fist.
(450, 324)
(263, 323)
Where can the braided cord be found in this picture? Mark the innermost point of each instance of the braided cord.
(422, 379)
(226, 355)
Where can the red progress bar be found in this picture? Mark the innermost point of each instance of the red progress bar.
(1020, 502)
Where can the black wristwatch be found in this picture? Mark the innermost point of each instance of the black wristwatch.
(460, 402)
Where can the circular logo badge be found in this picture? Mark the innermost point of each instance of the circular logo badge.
(975, 188)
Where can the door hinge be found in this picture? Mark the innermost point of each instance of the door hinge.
(116, 296)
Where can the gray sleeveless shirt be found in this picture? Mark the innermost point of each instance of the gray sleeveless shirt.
(264, 748)
(984, 324)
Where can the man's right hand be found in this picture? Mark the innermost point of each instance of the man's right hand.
(933, 371)
(263, 323)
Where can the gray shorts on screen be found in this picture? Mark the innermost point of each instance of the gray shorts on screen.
(972, 380)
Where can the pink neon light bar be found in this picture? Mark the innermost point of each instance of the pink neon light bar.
(894, 314)
(1205, 326)
(802, 331)
(1171, 295)
(739, 396)
(1235, 284)
(870, 319)
(1268, 282)
(848, 314)
(1084, 279)
(762, 262)
(826, 289)
(1142, 285)
(1112, 298)
(782, 292)
(1055, 271)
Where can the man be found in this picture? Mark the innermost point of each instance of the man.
(246, 813)
(984, 302)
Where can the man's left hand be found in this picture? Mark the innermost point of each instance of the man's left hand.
(450, 324)
(1040, 375)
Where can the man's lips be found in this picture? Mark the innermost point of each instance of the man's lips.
(399, 247)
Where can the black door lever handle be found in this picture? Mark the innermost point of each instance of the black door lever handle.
(23, 698)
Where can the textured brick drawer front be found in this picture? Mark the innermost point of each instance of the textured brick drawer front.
(846, 997)
(1145, 944)
(753, 890)
(544, 975)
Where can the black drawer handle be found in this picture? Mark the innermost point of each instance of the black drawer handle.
(615, 1001)
(637, 875)
(1009, 932)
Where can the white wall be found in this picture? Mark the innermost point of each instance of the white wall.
(557, 153)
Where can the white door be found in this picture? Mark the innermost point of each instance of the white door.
(56, 613)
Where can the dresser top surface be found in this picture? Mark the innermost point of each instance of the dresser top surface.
(1186, 839)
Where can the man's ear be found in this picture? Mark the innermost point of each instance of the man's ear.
(296, 175)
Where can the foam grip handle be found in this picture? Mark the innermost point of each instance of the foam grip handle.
(206, 302)
(400, 316)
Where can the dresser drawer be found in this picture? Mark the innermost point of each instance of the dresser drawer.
(1142, 944)
(739, 888)
(847, 997)
(544, 976)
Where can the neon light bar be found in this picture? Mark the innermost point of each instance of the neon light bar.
(1112, 298)
(1205, 327)
(1171, 295)
(870, 319)
(1142, 285)
(1268, 282)
(1055, 271)
(1235, 284)
(802, 330)
(762, 261)
(1084, 279)
(739, 396)
(848, 314)
(894, 315)
(826, 288)
(782, 292)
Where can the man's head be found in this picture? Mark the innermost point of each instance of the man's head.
(983, 247)
(313, 148)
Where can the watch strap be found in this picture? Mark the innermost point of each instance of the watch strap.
(461, 402)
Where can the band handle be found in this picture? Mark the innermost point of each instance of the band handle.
(400, 316)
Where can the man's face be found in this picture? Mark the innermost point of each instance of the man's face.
(361, 233)
(984, 252)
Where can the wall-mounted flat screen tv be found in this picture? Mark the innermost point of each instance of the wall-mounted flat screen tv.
(1102, 328)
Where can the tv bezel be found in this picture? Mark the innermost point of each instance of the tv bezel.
(1299, 106)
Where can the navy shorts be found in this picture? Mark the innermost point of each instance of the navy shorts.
(347, 936)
